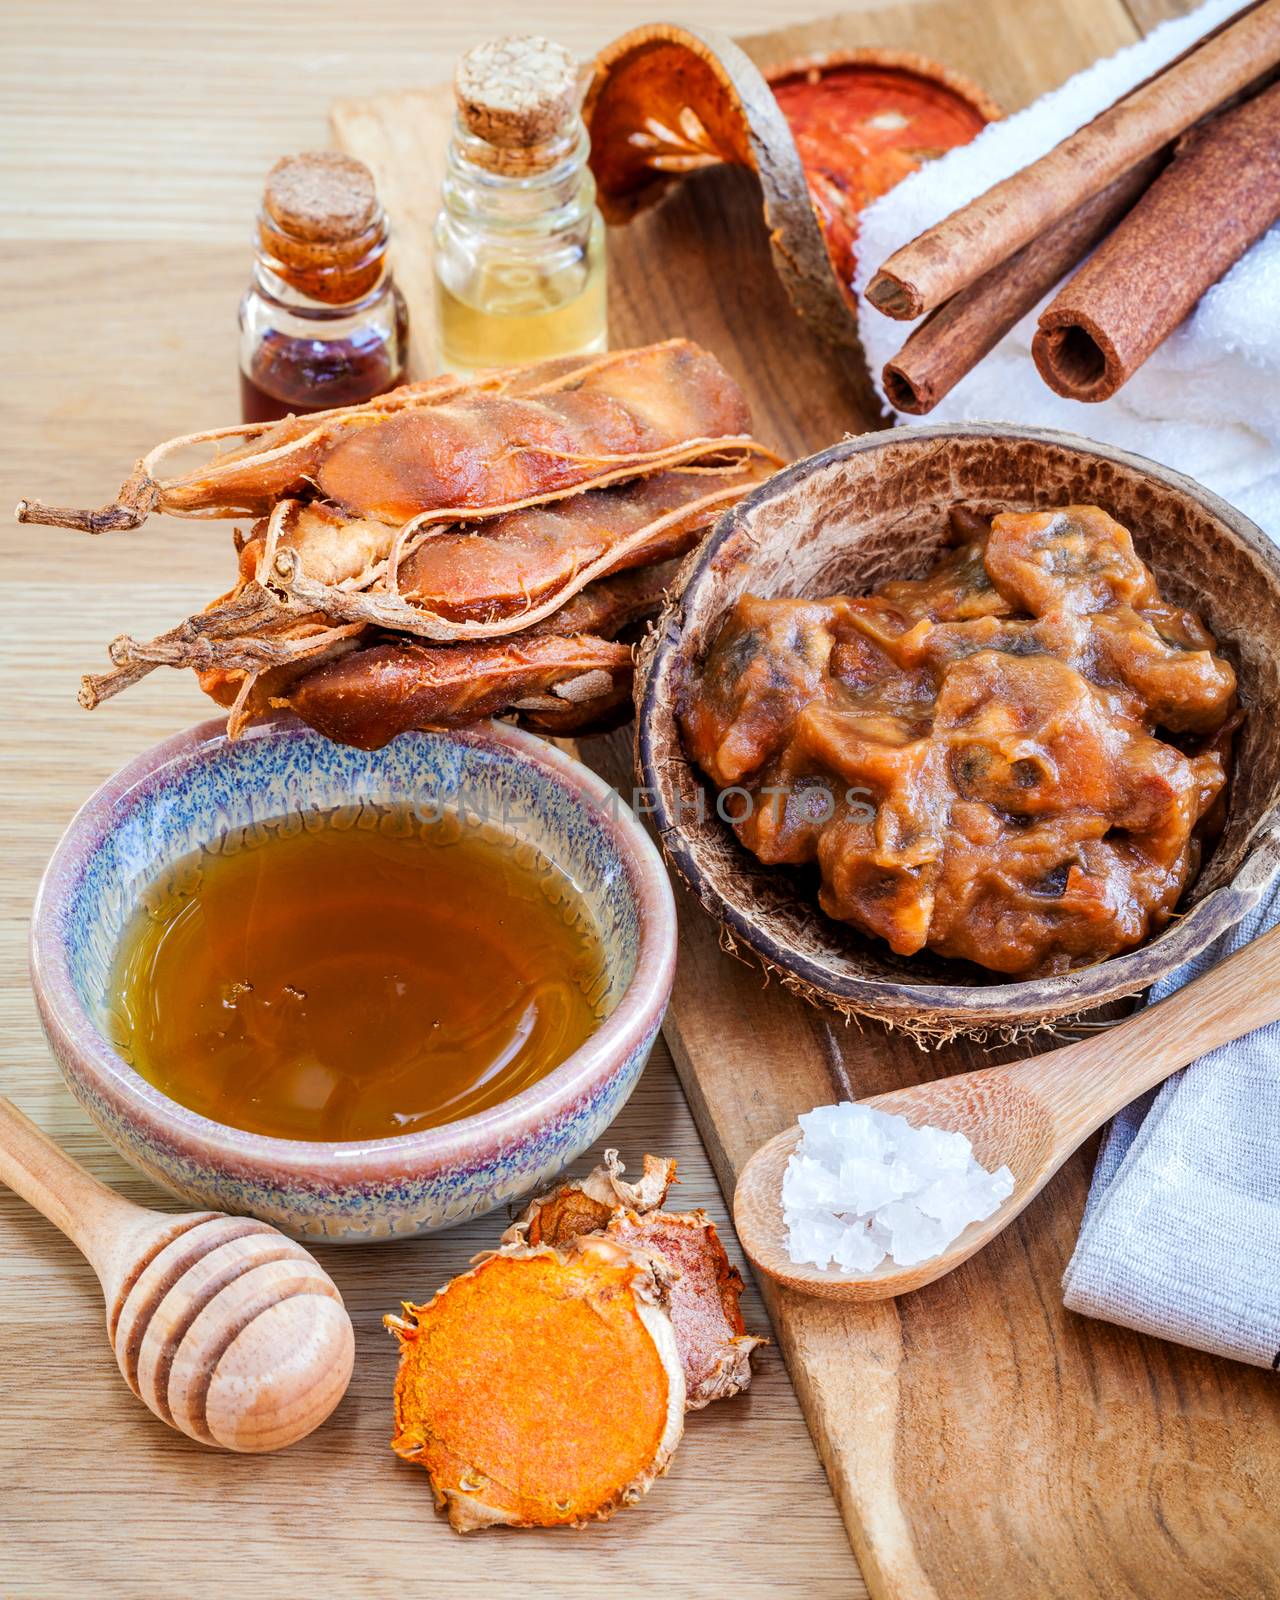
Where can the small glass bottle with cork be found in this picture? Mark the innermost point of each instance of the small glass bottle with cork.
(322, 324)
(519, 241)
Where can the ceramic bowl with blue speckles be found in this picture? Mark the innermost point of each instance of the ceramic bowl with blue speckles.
(198, 786)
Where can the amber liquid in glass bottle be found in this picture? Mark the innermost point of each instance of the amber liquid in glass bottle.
(322, 324)
(304, 375)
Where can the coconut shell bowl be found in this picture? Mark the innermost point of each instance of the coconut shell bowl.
(665, 101)
(198, 786)
(875, 508)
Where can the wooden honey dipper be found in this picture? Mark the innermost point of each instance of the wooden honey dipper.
(227, 1330)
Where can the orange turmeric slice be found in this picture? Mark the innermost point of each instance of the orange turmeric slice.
(543, 1387)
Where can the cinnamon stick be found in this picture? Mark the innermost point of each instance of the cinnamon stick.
(957, 251)
(1220, 193)
(951, 341)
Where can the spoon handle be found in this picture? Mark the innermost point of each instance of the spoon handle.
(60, 1189)
(1087, 1083)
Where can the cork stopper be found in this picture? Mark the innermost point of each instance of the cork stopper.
(321, 196)
(517, 92)
(321, 228)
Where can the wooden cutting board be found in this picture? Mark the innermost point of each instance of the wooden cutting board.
(980, 1440)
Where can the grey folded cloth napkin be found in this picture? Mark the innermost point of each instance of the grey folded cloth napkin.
(1181, 1232)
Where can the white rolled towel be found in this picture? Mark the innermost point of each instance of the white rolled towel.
(1207, 401)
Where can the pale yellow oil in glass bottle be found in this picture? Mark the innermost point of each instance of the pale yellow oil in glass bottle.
(519, 242)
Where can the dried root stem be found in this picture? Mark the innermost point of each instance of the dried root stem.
(249, 608)
(136, 501)
(240, 653)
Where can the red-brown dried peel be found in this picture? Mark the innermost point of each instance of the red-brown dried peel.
(704, 1286)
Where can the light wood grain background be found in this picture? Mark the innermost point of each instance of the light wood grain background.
(135, 140)
(134, 145)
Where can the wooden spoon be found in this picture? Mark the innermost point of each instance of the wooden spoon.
(1028, 1116)
(227, 1330)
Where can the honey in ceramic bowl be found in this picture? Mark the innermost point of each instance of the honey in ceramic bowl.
(319, 978)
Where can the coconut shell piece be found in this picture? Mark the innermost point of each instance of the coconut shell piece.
(542, 1388)
(666, 101)
(705, 1287)
(875, 508)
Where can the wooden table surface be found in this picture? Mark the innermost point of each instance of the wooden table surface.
(137, 136)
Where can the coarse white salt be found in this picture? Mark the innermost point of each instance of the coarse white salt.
(863, 1185)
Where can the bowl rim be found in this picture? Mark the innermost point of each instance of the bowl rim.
(1028, 1001)
(910, 63)
(469, 1141)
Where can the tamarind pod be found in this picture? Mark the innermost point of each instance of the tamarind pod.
(522, 555)
(609, 605)
(278, 452)
(547, 553)
(250, 695)
(242, 611)
(129, 510)
(520, 569)
(506, 564)
(285, 458)
(603, 609)
(247, 652)
(368, 696)
(497, 452)
(297, 644)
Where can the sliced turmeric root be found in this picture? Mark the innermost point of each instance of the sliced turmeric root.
(542, 1388)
